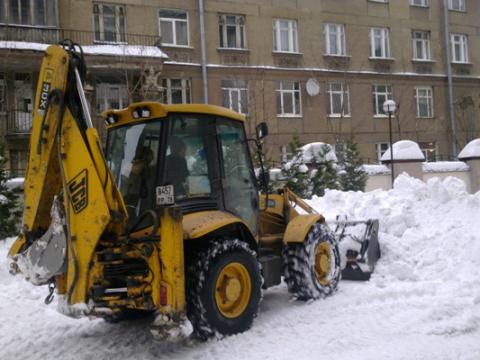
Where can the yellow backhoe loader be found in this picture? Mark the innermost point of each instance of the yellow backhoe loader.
(167, 220)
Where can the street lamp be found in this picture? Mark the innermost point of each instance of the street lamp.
(389, 107)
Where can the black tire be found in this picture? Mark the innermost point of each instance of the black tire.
(300, 274)
(203, 273)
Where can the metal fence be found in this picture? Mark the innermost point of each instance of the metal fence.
(54, 35)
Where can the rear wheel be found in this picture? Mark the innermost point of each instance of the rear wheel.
(312, 268)
(223, 289)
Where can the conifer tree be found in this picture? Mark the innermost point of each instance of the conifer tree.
(295, 171)
(352, 176)
(9, 208)
(324, 172)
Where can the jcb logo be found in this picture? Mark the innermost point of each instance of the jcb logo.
(46, 85)
(78, 190)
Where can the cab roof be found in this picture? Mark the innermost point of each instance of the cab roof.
(149, 110)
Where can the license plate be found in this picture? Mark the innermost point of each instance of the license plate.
(165, 195)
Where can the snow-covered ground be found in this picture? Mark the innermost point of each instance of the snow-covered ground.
(423, 302)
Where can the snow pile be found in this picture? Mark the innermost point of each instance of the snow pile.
(422, 302)
(404, 150)
(471, 150)
(376, 169)
(315, 152)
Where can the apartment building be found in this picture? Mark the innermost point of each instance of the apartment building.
(320, 69)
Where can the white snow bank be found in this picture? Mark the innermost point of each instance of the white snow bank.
(376, 169)
(422, 302)
(112, 50)
(445, 166)
(404, 150)
(471, 150)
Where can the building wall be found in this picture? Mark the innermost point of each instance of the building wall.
(262, 67)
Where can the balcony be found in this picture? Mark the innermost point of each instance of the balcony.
(19, 123)
(46, 35)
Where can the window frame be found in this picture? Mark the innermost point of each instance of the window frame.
(32, 14)
(102, 89)
(424, 3)
(240, 34)
(463, 43)
(339, 39)
(292, 31)
(429, 101)
(236, 91)
(186, 89)
(378, 108)
(462, 6)
(385, 42)
(173, 22)
(281, 92)
(379, 151)
(344, 93)
(425, 43)
(426, 150)
(120, 34)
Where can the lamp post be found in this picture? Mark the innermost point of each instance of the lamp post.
(389, 107)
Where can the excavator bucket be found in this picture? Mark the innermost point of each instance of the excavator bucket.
(359, 247)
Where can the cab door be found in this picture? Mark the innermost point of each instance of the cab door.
(240, 194)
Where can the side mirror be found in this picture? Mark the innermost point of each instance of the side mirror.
(261, 130)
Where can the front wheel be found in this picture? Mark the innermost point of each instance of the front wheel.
(223, 289)
(312, 268)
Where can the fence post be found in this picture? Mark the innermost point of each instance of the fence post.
(407, 157)
(471, 155)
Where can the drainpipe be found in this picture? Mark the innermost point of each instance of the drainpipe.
(203, 51)
(451, 110)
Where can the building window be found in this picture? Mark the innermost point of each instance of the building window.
(421, 45)
(423, 3)
(174, 27)
(335, 39)
(381, 93)
(380, 149)
(111, 96)
(29, 12)
(3, 93)
(288, 98)
(109, 22)
(232, 31)
(285, 35)
(457, 5)
(429, 150)
(459, 48)
(379, 43)
(18, 162)
(235, 95)
(424, 99)
(339, 100)
(176, 91)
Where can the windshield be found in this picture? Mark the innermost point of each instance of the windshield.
(132, 156)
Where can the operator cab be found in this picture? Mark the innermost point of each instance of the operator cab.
(199, 150)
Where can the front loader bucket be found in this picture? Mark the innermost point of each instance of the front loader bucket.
(359, 248)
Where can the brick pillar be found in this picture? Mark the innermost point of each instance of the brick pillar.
(407, 157)
(471, 155)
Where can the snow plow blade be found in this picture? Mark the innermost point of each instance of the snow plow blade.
(359, 248)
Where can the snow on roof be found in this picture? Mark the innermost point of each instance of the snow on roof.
(445, 166)
(112, 50)
(313, 150)
(376, 169)
(471, 150)
(404, 150)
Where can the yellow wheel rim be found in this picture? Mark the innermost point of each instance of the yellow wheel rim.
(322, 263)
(233, 290)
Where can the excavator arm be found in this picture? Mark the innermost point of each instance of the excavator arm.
(71, 200)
